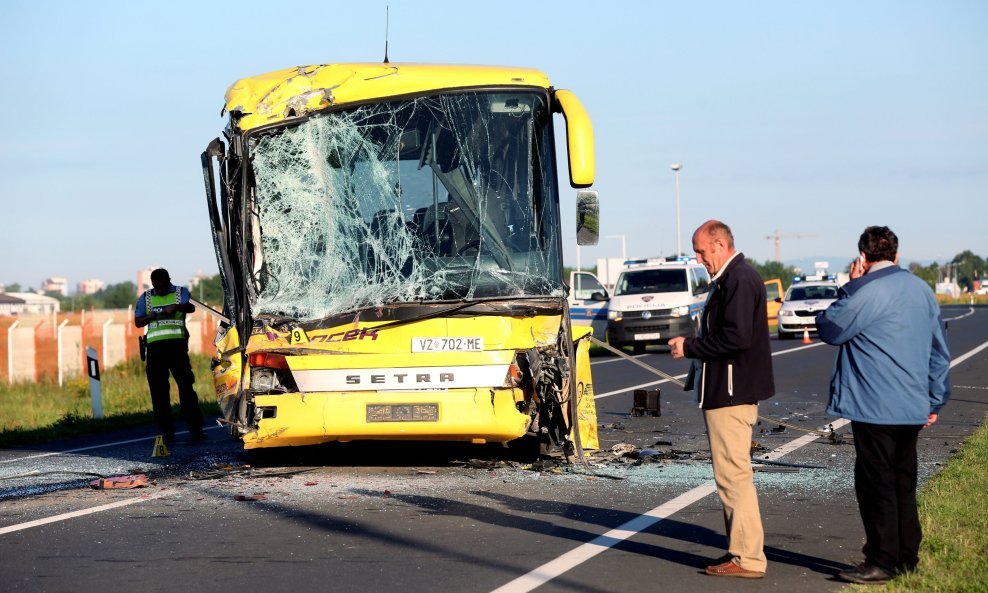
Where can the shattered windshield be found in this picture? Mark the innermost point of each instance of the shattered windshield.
(438, 198)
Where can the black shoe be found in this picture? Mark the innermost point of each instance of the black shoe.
(866, 574)
(169, 439)
(198, 437)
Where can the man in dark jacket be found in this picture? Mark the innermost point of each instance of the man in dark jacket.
(891, 378)
(734, 364)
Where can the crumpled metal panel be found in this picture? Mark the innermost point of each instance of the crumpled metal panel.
(280, 95)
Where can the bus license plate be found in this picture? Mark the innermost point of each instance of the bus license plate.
(654, 336)
(402, 412)
(470, 344)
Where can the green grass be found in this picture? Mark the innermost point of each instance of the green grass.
(955, 527)
(38, 412)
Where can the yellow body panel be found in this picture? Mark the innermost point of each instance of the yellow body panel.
(586, 408)
(276, 96)
(499, 333)
(486, 414)
(227, 371)
(477, 415)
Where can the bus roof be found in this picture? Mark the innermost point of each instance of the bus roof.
(277, 96)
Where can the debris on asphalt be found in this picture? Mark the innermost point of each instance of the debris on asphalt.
(251, 497)
(774, 469)
(126, 482)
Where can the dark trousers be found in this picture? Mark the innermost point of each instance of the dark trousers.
(172, 356)
(885, 484)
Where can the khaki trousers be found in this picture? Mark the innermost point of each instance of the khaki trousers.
(729, 431)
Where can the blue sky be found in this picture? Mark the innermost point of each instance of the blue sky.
(810, 118)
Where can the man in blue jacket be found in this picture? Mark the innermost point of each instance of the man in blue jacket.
(890, 380)
(734, 363)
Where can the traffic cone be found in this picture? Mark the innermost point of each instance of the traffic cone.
(806, 336)
(160, 450)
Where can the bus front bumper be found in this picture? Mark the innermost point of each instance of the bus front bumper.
(467, 415)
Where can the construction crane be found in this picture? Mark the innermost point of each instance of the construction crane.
(778, 240)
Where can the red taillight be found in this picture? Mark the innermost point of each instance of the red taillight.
(270, 360)
(515, 375)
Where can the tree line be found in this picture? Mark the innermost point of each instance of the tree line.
(965, 268)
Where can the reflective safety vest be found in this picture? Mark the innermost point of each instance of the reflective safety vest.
(165, 327)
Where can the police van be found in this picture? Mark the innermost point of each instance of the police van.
(588, 302)
(655, 300)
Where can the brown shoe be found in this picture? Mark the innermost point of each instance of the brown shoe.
(733, 569)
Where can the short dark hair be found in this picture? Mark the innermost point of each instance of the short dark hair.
(160, 274)
(878, 243)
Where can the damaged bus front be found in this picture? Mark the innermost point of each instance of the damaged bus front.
(388, 238)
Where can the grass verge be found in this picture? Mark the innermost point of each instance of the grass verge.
(43, 411)
(955, 527)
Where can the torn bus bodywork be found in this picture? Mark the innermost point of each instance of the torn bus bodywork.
(388, 238)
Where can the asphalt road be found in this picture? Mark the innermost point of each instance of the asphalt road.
(383, 517)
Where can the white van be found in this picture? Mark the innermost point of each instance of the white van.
(588, 302)
(655, 300)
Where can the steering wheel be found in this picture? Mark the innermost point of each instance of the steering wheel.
(470, 245)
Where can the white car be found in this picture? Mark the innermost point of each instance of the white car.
(804, 300)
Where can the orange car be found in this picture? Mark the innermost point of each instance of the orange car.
(773, 290)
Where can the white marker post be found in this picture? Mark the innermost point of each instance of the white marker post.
(92, 366)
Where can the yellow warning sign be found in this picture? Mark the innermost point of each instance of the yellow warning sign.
(298, 336)
(160, 450)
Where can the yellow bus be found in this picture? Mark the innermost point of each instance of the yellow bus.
(389, 241)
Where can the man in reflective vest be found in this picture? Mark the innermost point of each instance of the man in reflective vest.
(162, 309)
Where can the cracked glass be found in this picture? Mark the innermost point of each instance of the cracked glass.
(449, 197)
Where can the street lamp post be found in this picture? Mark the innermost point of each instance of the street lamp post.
(679, 244)
(624, 252)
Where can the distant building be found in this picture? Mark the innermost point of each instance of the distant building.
(30, 303)
(10, 305)
(948, 288)
(91, 286)
(144, 279)
(56, 284)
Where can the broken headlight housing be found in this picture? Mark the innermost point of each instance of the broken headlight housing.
(269, 373)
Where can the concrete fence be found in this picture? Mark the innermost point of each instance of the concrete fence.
(35, 347)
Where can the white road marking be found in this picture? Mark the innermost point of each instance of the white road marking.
(73, 514)
(968, 314)
(552, 569)
(91, 447)
(683, 376)
(967, 355)
(581, 554)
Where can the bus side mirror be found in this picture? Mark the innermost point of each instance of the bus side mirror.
(587, 217)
